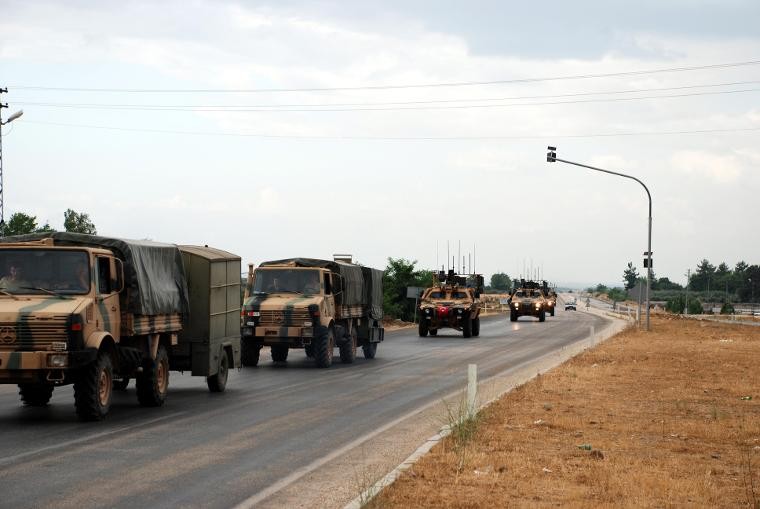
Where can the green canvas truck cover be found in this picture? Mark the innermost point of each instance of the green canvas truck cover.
(154, 275)
(363, 286)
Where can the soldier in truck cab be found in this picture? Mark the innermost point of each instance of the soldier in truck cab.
(13, 280)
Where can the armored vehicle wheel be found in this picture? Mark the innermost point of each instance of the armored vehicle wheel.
(323, 349)
(218, 382)
(153, 382)
(347, 349)
(423, 327)
(370, 349)
(512, 316)
(476, 327)
(121, 384)
(552, 313)
(467, 326)
(542, 316)
(93, 389)
(279, 353)
(35, 394)
(433, 332)
(249, 354)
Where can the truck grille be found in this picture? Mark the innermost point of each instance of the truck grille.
(294, 317)
(32, 335)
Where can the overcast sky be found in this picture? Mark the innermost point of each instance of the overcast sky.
(382, 169)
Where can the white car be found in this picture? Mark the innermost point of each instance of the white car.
(570, 305)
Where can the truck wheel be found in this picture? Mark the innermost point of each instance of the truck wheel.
(476, 327)
(218, 382)
(93, 389)
(153, 382)
(279, 353)
(323, 349)
(423, 327)
(121, 384)
(249, 354)
(347, 349)
(35, 394)
(433, 332)
(512, 316)
(542, 316)
(552, 313)
(309, 349)
(370, 349)
(467, 326)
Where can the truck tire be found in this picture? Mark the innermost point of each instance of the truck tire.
(121, 384)
(279, 353)
(552, 313)
(35, 394)
(93, 389)
(512, 316)
(309, 349)
(542, 316)
(347, 349)
(433, 332)
(218, 382)
(476, 327)
(369, 349)
(249, 354)
(153, 382)
(422, 328)
(467, 326)
(323, 348)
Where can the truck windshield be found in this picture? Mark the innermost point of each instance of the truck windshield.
(42, 271)
(286, 281)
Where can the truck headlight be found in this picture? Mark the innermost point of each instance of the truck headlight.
(307, 324)
(58, 360)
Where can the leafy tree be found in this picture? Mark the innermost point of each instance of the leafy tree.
(702, 277)
(695, 307)
(630, 275)
(676, 305)
(19, 224)
(400, 274)
(666, 284)
(727, 309)
(501, 281)
(617, 294)
(600, 288)
(78, 222)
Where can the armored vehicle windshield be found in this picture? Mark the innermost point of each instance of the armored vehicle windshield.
(41, 271)
(304, 281)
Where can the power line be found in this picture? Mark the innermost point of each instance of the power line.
(391, 87)
(400, 138)
(409, 108)
(266, 107)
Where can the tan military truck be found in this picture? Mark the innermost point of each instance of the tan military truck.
(315, 305)
(95, 311)
(451, 303)
(528, 299)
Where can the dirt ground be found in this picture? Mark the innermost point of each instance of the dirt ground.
(661, 419)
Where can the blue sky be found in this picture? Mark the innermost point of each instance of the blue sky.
(300, 183)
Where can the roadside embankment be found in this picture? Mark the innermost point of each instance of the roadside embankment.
(665, 418)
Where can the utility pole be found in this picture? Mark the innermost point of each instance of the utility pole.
(10, 119)
(688, 279)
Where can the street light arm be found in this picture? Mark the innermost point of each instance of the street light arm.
(612, 173)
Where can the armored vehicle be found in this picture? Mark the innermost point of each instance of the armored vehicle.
(315, 305)
(528, 299)
(96, 311)
(454, 302)
(551, 297)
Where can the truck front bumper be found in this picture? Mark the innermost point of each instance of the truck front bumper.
(18, 367)
(294, 337)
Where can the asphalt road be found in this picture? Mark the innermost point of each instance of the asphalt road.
(218, 450)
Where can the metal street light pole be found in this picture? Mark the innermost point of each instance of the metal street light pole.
(551, 156)
(10, 119)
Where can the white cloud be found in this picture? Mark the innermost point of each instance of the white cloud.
(721, 168)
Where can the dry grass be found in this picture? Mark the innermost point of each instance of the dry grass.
(666, 415)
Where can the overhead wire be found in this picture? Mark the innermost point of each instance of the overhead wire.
(392, 87)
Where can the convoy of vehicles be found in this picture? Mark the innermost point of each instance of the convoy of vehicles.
(315, 305)
(452, 302)
(96, 311)
(529, 299)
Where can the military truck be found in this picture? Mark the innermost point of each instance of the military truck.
(315, 305)
(96, 311)
(528, 299)
(452, 302)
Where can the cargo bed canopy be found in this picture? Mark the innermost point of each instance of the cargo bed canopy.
(362, 286)
(154, 276)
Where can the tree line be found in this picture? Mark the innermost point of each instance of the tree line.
(22, 224)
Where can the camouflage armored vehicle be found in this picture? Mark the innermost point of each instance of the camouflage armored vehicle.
(452, 302)
(96, 311)
(551, 298)
(528, 299)
(315, 305)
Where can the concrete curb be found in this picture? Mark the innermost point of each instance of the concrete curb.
(616, 326)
